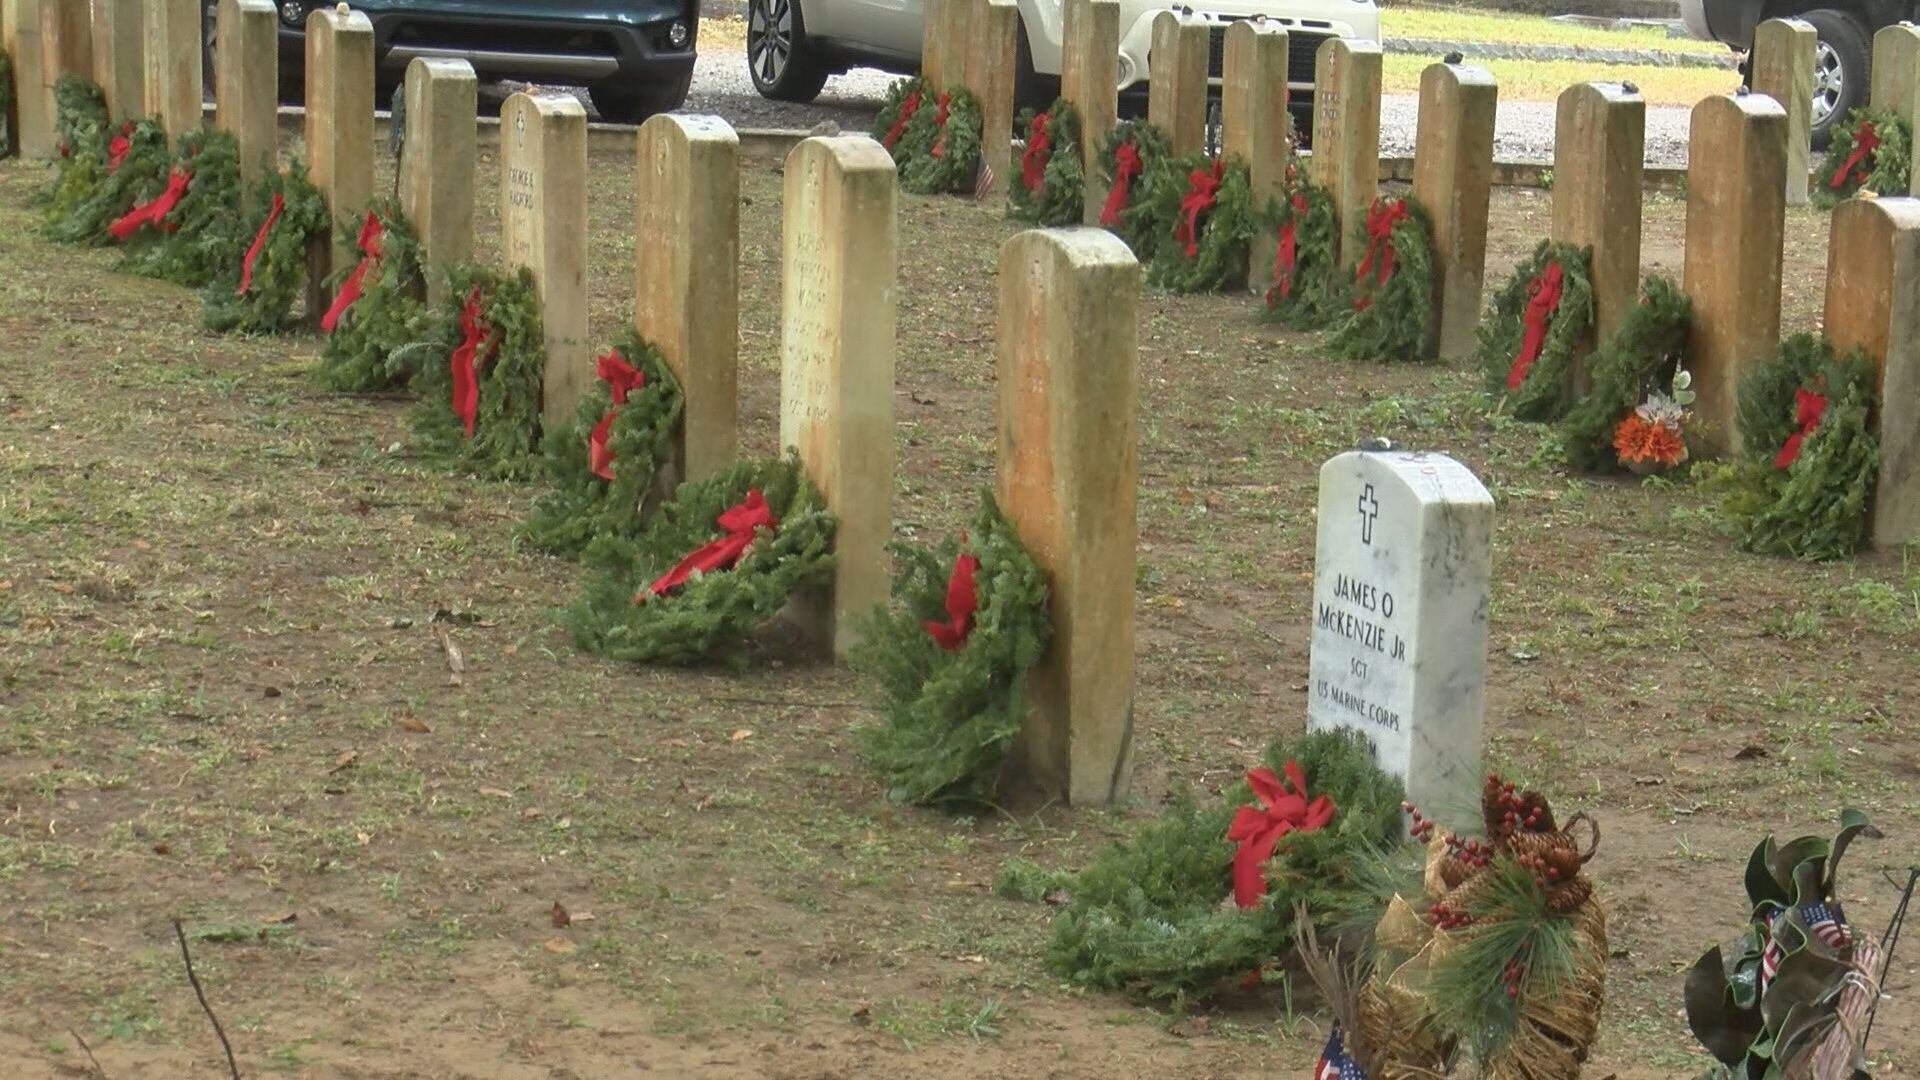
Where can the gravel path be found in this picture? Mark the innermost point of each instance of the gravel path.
(1523, 132)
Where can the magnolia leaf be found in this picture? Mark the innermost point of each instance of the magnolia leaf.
(1804, 1026)
(1721, 1025)
(1783, 861)
(1853, 823)
(1761, 886)
(1806, 978)
(1809, 882)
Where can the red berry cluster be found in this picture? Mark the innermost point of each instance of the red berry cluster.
(1422, 827)
(1545, 874)
(1475, 853)
(1517, 812)
(1514, 975)
(1446, 918)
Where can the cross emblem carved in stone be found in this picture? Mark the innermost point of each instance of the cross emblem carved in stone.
(1369, 508)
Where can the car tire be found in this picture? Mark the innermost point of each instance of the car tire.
(629, 107)
(1031, 90)
(1840, 74)
(779, 61)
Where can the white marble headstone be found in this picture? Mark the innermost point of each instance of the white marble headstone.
(1401, 567)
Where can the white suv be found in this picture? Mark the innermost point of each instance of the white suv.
(791, 51)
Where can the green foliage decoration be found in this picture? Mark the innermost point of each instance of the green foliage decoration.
(91, 196)
(511, 367)
(1816, 508)
(377, 344)
(581, 506)
(898, 95)
(80, 121)
(1146, 917)
(950, 716)
(1142, 220)
(711, 613)
(207, 236)
(1062, 192)
(280, 270)
(1547, 392)
(951, 158)
(1641, 358)
(1753, 1025)
(1887, 165)
(1313, 299)
(1391, 320)
(1225, 230)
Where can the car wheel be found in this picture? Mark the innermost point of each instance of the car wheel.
(1839, 70)
(782, 66)
(1031, 90)
(634, 107)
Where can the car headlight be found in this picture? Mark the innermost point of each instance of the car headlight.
(678, 34)
(293, 12)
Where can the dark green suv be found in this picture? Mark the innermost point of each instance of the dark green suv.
(635, 57)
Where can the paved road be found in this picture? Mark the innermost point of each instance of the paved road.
(1523, 132)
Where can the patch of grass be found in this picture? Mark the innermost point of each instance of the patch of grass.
(1469, 24)
(1543, 80)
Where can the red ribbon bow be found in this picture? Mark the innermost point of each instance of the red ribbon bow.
(940, 125)
(1808, 408)
(1033, 160)
(154, 211)
(622, 379)
(1543, 299)
(1126, 166)
(1203, 189)
(467, 358)
(1865, 141)
(369, 245)
(1258, 830)
(907, 108)
(259, 244)
(1286, 255)
(962, 601)
(1381, 218)
(118, 147)
(739, 525)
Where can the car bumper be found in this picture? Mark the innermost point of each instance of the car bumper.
(1728, 21)
(599, 53)
(1306, 25)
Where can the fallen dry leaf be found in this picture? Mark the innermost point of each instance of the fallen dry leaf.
(344, 761)
(415, 725)
(1750, 753)
(456, 663)
(496, 793)
(560, 917)
(279, 920)
(740, 736)
(558, 946)
(1190, 1027)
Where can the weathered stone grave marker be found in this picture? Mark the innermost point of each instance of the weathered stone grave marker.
(66, 41)
(543, 227)
(1177, 79)
(1598, 165)
(1254, 123)
(33, 108)
(1400, 586)
(1736, 228)
(339, 137)
(1453, 179)
(994, 30)
(1067, 480)
(1783, 52)
(1090, 80)
(837, 312)
(686, 259)
(246, 82)
(119, 56)
(1873, 303)
(437, 164)
(1346, 133)
(1895, 65)
(943, 41)
(171, 75)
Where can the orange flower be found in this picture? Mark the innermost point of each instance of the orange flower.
(1640, 440)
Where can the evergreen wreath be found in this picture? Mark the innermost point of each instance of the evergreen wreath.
(1872, 151)
(1540, 390)
(202, 236)
(92, 194)
(1051, 163)
(255, 292)
(583, 505)
(891, 127)
(508, 353)
(1146, 916)
(1132, 210)
(715, 611)
(953, 711)
(7, 145)
(1809, 455)
(949, 130)
(1306, 296)
(377, 345)
(79, 118)
(1640, 359)
(1392, 287)
(1206, 204)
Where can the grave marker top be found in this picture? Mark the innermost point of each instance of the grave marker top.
(1402, 564)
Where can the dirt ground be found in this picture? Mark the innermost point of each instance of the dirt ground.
(224, 698)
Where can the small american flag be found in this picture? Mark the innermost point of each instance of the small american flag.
(1824, 923)
(983, 182)
(1334, 1062)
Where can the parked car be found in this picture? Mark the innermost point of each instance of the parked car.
(1841, 56)
(793, 45)
(635, 57)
